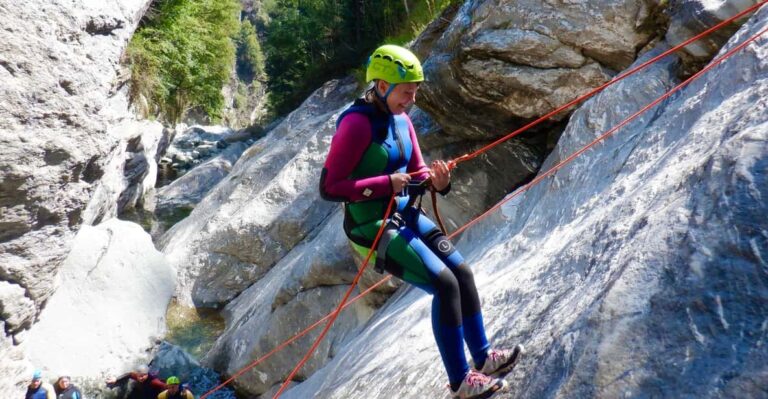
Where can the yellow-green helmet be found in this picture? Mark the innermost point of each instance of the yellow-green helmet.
(173, 380)
(394, 64)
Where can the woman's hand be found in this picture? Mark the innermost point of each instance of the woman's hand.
(399, 181)
(440, 175)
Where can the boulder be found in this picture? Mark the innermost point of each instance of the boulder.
(16, 309)
(130, 173)
(110, 305)
(501, 63)
(171, 360)
(176, 200)
(305, 285)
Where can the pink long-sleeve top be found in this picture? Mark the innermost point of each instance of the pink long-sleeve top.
(353, 137)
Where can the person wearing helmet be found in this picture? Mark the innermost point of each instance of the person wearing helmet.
(39, 389)
(375, 154)
(175, 391)
(143, 383)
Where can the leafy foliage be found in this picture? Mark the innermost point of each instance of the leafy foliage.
(183, 53)
(182, 56)
(250, 59)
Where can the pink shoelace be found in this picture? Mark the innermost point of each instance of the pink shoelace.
(495, 355)
(475, 379)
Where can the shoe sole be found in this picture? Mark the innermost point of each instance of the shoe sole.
(517, 353)
(503, 387)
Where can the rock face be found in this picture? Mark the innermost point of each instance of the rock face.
(177, 199)
(130, 170)
(59, 106)
(502, 62)
(264, 207)
(638, 270)
(305, 285)
(110, 305)
(203, 156)
(172, 360)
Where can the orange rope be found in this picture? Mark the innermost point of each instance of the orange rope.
(343, 301)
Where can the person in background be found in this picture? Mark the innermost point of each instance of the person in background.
(66, 390)
(145, 385)
(39, 389)
(175, 391)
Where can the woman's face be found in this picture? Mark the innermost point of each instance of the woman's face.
(401, 97)
(64, 382)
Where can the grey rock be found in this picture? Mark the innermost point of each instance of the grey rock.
(58, 68)
(179, 198)
(194, 145)
(110, 305)
(15, 369)
(478, 184)
(262, 209)
(129, 173)
(16, 309)
(500, 63)
(255, 329)
(305, 285)
(172, 360)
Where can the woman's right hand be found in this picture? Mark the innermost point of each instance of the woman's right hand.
(399, 181)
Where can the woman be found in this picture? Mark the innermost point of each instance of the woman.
(66, 390)
(374, 154)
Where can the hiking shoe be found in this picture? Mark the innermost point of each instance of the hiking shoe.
(478, 386)
(501, 361)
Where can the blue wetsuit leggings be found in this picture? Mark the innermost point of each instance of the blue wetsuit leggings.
(420, 254)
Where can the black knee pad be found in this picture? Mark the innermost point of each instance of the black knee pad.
(439, 243)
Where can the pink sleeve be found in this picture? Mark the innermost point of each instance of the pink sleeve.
(417, 161)
(347, 148)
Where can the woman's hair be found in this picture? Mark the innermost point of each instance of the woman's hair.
(372, 97)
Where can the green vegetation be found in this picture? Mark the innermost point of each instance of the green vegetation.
(250, 59)
(184, 51)
(182, 55)
(311, 41)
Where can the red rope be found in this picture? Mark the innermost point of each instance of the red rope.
(344, 303)
(341, 305)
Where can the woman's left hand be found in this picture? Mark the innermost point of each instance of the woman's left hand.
(440, 175)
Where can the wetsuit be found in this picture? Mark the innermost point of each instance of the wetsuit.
(368, 146)
(147, 389)
(72, 392)
(43, 391)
